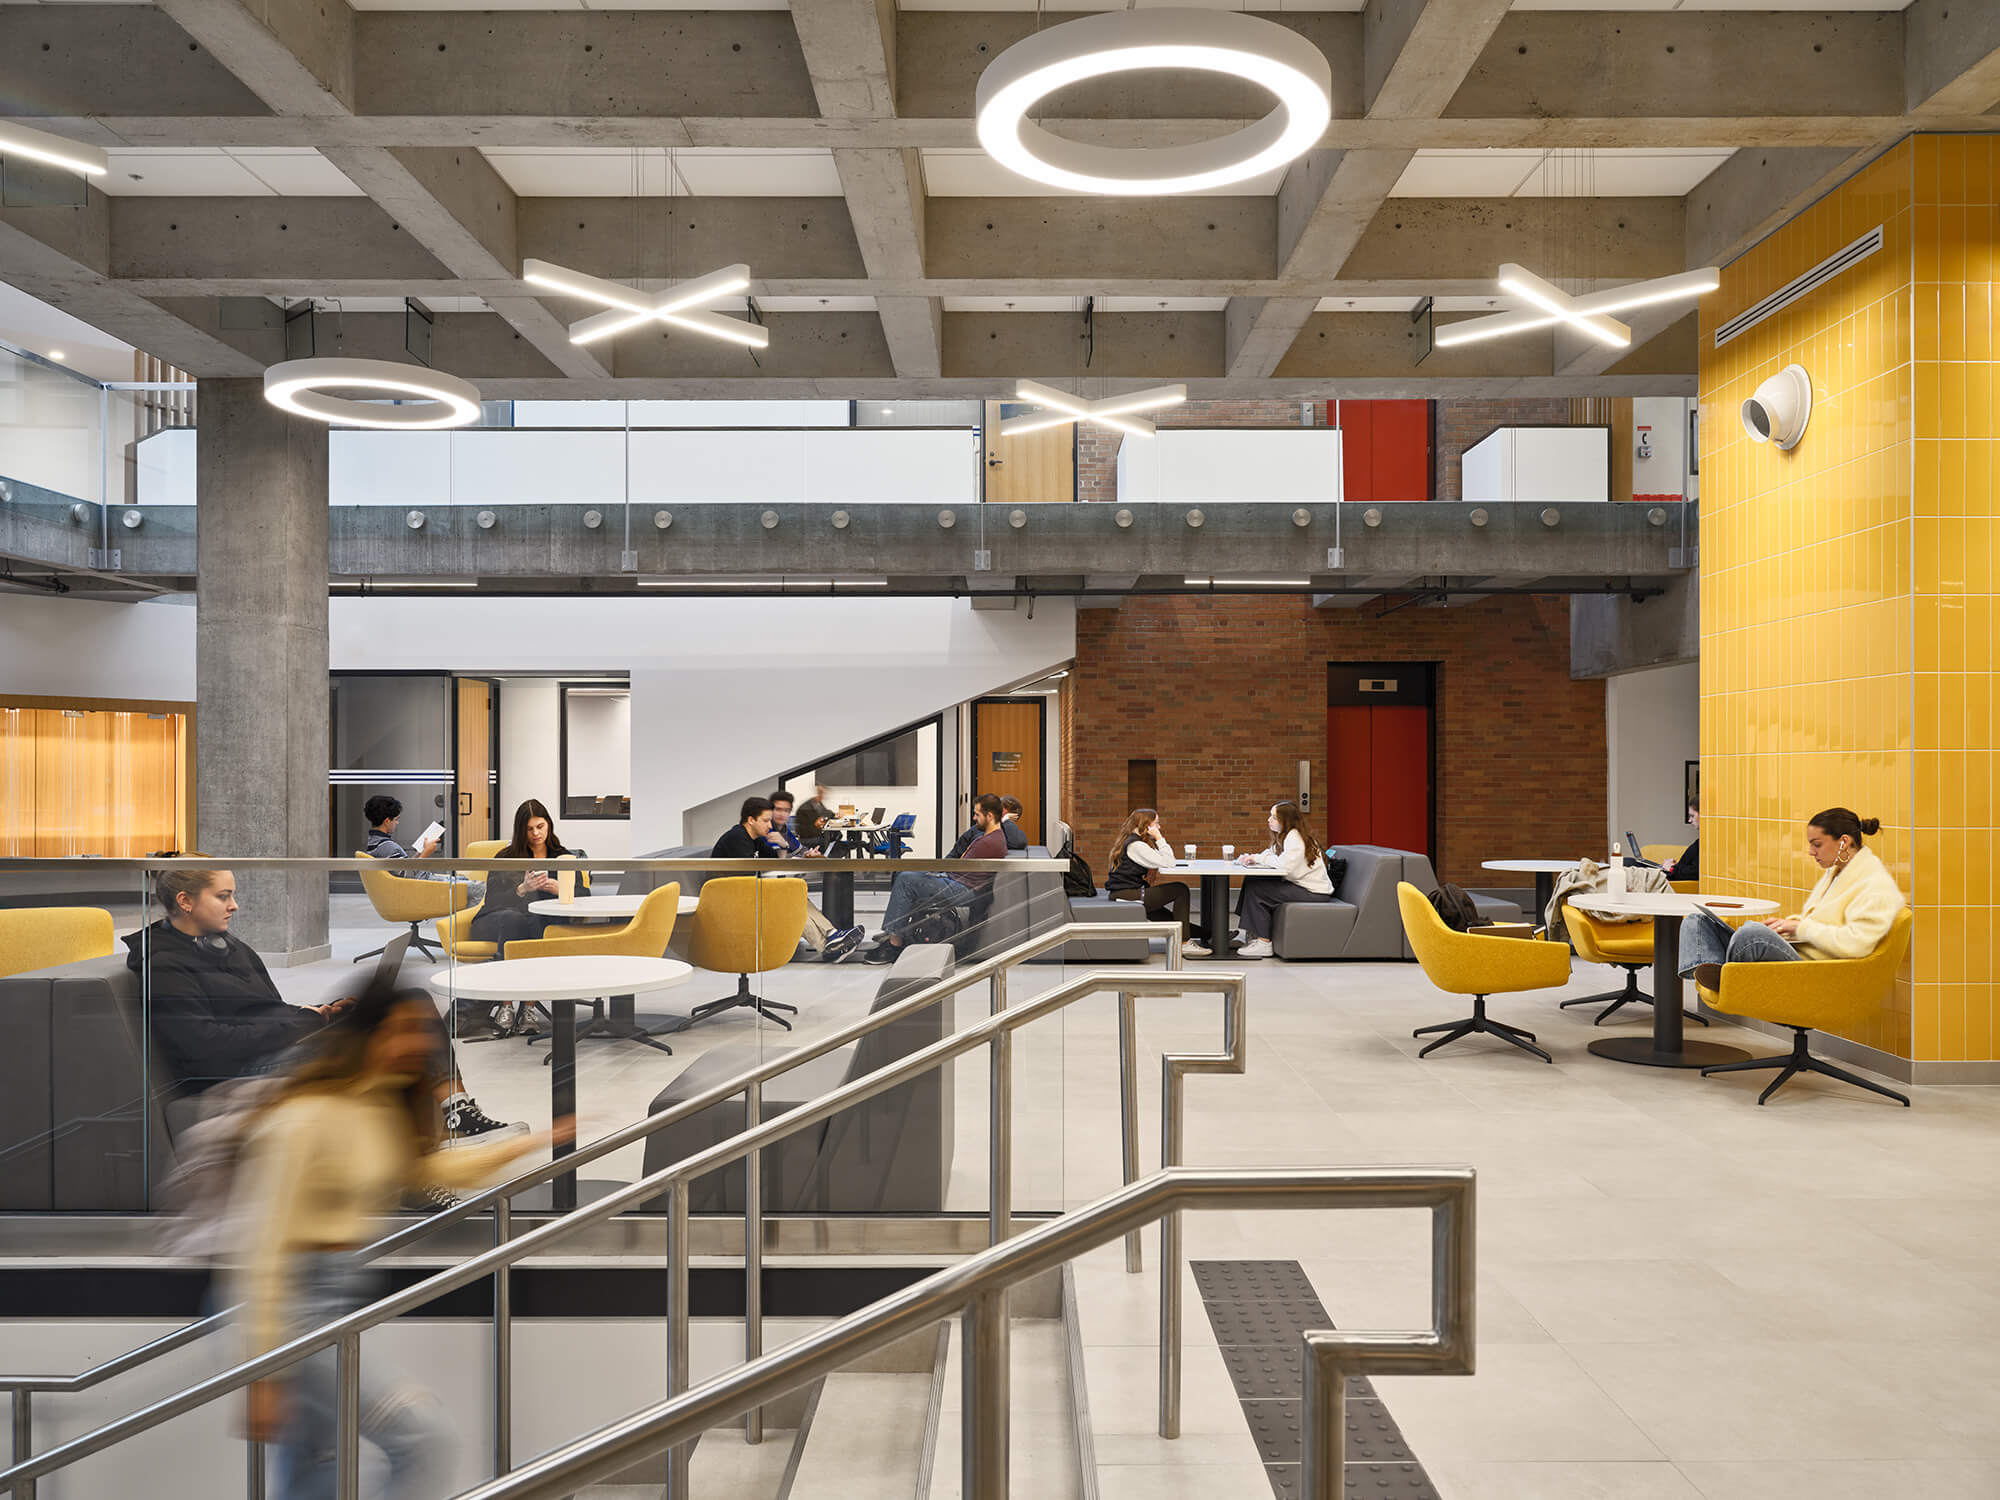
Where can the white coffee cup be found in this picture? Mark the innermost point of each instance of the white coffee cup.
(1187, 852)
(1229, 851)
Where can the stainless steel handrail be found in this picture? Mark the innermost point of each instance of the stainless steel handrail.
(345, 1333)
(975, 1286)
(779, 863)
(500, 1196)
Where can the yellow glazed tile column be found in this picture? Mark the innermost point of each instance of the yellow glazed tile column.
(1849, 620)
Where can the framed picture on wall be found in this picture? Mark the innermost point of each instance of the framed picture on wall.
(1691, 774)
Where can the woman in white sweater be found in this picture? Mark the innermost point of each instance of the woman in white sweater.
(354, 1127)
(1139, 850)
(1298, 873)
(1851, 908)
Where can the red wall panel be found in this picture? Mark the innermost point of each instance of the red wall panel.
(1385, 448)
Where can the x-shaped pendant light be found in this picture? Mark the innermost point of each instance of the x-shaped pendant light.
(684, 305)
(1111, 411)
(1587, 314)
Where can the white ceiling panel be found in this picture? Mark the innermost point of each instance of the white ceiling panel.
(1082, 5)
(951, 172)
(1623, 174)
(1075, 304)
(223, 172)
(1466, 174)
(709, 172)
(567, 4)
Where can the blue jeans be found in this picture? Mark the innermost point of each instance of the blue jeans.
(1707, 939)
(401, 1419)
(912, 889)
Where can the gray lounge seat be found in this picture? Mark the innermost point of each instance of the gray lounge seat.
(1362, 921)
(890, 1155)
(1417, 870)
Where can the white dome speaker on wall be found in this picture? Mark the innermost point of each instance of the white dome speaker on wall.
(1778, 412)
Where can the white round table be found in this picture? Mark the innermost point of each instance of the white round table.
(598, 908)
(1544, 871)
(1215, 875)
(560, 983)
(1666, 1047)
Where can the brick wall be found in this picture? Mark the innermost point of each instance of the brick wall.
(1460, 424)
(1228, 693)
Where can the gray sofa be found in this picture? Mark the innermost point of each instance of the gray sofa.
(1363, 921)
(890, 1155)
(86, 1126)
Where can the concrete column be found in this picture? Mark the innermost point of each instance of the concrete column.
(261, 659)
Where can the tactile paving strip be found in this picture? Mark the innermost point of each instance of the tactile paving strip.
(1259, 1309)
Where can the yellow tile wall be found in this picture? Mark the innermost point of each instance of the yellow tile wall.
(1847, 588)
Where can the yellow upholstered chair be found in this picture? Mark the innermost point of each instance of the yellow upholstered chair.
(645, 936)
(44, 937)
(398, 898)
(451, 932)
(743, 926)
(481, 849)
(1815, 995)
(1662, 854)
(1624, 945)
(1465, 964)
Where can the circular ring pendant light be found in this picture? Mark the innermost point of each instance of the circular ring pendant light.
(299, 386)
(1211, 41)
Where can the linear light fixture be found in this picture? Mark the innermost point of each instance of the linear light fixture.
(1240, 46)
(1588, 313)
(763, 583)
(1265, 583)
(17, 139)
(684, 305)
(1112, 411)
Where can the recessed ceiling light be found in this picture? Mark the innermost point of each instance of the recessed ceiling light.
(57, 355)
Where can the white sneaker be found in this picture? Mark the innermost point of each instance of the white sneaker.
(1192, 949)
(1255, 948)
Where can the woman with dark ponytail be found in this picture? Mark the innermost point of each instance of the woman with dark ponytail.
(1847, 915)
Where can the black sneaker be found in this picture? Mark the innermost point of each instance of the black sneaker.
(884, 952)
(430, 1200)
(464, 1121)
(840, 944)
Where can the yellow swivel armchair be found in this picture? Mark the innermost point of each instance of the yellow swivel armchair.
(645, 936)
(42, 937)
(1624, 945)
(398, 898)
(1465, 964)
(1816, 995)
(743, 926)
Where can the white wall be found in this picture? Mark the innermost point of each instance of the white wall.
(1650, 732)
(828, 673)
(76, 648)
(1660, 477)
(1538, 464)
(514, 466)
(1186, 464)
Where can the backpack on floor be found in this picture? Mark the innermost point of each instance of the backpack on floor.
(1077, 879)
(1454, 908)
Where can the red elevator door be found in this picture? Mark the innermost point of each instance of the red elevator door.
(1380, 777)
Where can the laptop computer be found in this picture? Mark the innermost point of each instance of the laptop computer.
(877, 819)
(390, 964)
(1632, 856)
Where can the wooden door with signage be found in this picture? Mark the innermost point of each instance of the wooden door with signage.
(474, 767)
(1034, 467)
(1007, 740)
(1381, 754)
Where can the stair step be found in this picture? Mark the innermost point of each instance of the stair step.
(723, 1464)
(866, 1439)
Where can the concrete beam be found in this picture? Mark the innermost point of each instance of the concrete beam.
(296, 56)
(1576, 354)
(1032, 239)
(75, 59)
(1418, 53)
(804, 346)
(886, 206)
(1951, 57)
(1385, 345)
(1259, 331)
(1047, 346)
(1610, 634)
(1617, 239)
(582, 64)
(192, 239)
(913, 327)
(1757, 191)
(633, 239)
(1702, 63)
(850, 52)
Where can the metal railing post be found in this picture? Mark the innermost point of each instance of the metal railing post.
(677, 1326)
(1128, 1108)
(1323, 1453)
(24, 1438)
(253, 1475)
(1170, 1257)
(985, 1397)
(753, 1253)
(1000, 1124)
(347, 1421)
(503, 1344)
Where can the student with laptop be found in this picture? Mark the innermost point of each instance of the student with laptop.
(1849, 912)
(215, 1012)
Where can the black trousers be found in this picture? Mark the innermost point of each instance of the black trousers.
(1258, 902)
(1166, 901)
(507, 925)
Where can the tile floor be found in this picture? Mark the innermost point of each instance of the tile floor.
(1680, 1294)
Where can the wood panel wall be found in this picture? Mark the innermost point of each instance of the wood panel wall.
(106, 781)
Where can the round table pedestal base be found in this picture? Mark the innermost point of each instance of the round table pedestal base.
(1640, 1050)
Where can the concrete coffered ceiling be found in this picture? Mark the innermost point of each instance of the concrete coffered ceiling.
(264, 150)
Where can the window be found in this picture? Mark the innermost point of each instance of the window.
(596, 750)
(887, 762)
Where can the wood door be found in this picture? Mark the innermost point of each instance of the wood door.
(1007, 738)
(1034, 467)
(474, 814)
